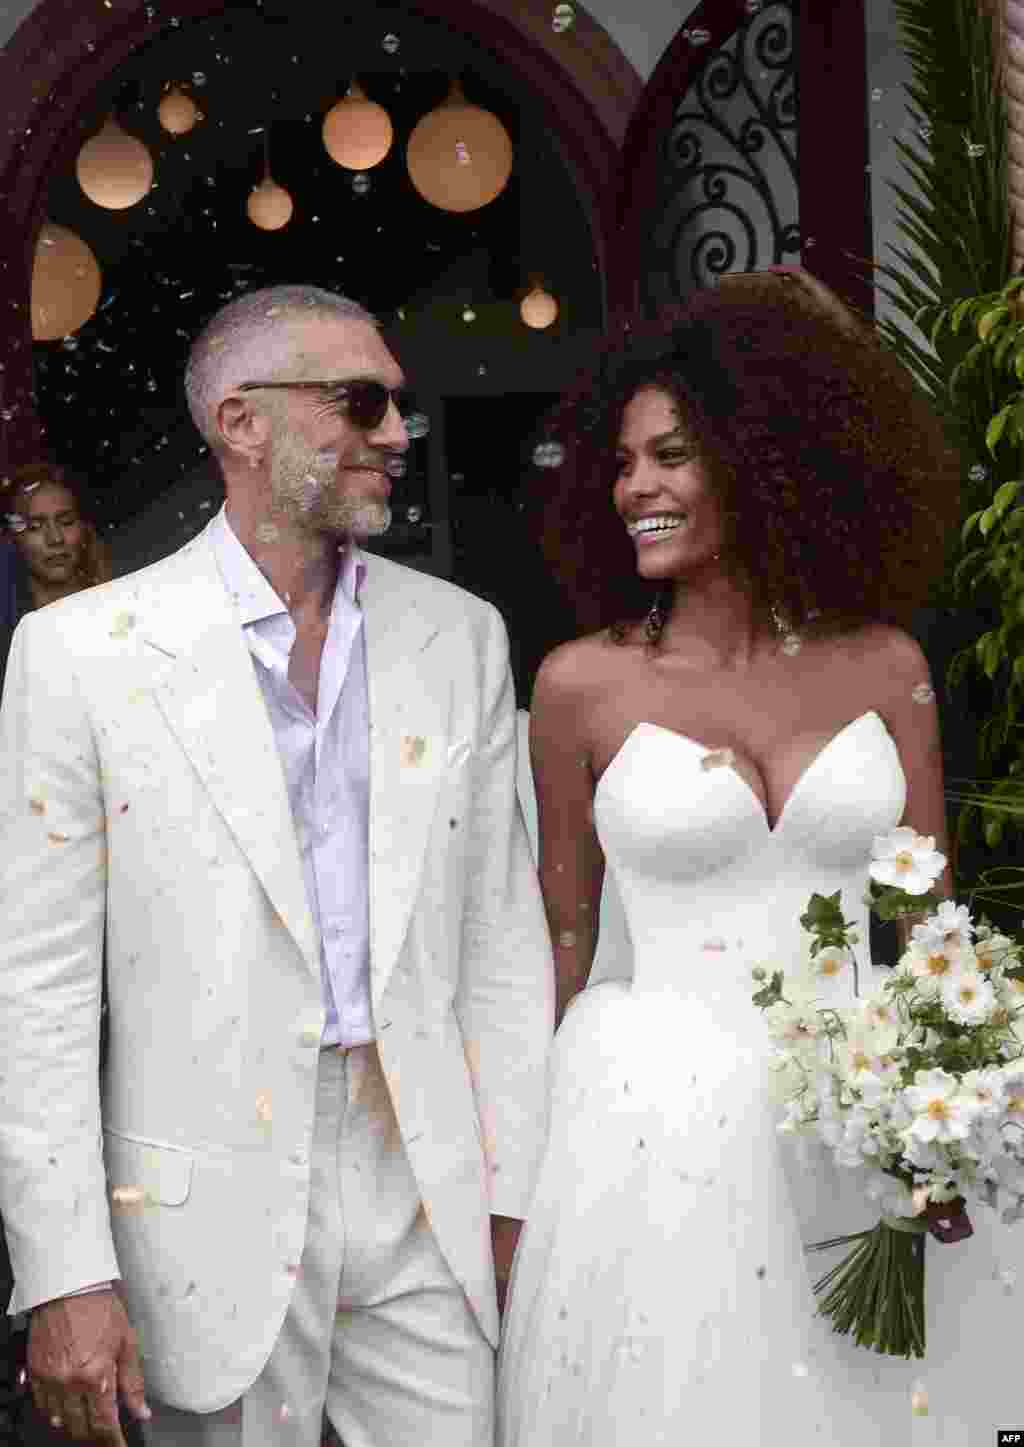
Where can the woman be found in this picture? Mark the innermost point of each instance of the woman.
(55, 550)
(748, 506)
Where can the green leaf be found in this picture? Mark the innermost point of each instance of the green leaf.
(992, 319)
(771, 993)
(960, 313)
(993, 831)
(1005, 495)
(971, 523)
(997, 426)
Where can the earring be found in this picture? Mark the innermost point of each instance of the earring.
(654, 622)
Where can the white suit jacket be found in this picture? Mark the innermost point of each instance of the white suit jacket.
(143, 808)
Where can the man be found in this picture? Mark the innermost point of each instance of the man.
(277, 776)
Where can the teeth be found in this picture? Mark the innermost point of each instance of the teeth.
(667, 522)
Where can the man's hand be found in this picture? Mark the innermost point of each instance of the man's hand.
(504, 1236)
(81, 1357)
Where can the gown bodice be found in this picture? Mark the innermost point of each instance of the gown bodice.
(697, 864)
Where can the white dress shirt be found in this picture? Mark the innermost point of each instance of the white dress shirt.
(326, 762)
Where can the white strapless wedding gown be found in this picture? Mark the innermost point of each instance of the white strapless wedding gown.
(661, 1293)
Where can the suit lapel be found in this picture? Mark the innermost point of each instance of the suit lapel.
(410, 699)
(209, 694)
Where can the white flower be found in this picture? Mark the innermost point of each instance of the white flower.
(967, 997)
(954, 922)
(922, 1155)
(931, 963)
(827, 969)
(906, 860)
(796, 1023)
(931, 939)
(941, 1112)
(893, 1196)
(995, 949)
(986, 1088)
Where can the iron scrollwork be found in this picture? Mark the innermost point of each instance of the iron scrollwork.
(729, 198)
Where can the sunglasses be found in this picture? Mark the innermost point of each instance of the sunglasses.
(362, 401)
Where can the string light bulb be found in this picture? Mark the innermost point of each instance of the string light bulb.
(357, 132)
(114, 169)
(459, 155)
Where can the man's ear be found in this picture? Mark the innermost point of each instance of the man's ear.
(244, 431)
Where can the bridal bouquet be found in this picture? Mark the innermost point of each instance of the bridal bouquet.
(920, 1084)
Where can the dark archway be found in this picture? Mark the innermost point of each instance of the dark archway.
(60, 56)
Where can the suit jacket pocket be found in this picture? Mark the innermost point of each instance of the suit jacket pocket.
(142, 1172)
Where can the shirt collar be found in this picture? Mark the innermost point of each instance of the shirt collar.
(250, 590)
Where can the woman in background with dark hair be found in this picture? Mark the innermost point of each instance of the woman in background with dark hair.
(55, 550)
(751, 504)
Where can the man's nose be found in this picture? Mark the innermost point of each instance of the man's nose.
(392, 430)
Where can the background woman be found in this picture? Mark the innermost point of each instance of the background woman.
(750, 506)
(55, 549)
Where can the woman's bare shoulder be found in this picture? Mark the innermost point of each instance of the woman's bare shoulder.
(574, 670)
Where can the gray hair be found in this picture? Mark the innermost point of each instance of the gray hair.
(248, 334)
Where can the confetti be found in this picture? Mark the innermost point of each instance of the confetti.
(126, 1198)
(412, 750)
(919, 1400)
(37, 806)
(263, 1110)
(923, 693)
(123, 625)
(548, 454)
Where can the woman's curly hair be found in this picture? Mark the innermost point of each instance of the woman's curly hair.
(838, 489)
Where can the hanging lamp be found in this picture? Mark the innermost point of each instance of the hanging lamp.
(459, 155)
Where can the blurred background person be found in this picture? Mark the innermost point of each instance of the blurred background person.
(53, 549)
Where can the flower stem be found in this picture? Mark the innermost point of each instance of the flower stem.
(876, 1293)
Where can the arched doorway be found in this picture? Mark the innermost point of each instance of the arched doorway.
(61, 56)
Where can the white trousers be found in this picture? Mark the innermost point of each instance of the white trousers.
(379, 1334)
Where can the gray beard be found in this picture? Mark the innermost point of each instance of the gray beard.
(303, 487)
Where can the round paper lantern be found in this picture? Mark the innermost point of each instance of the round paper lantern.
(538, 308)
(269, 205)
(114, 169)
(357, 131)
(459, 155)
(66, 284)
(178, 112)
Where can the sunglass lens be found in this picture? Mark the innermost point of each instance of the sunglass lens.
(367, 403)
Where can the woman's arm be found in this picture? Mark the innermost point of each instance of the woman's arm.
(571, 862)
(912, 719)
